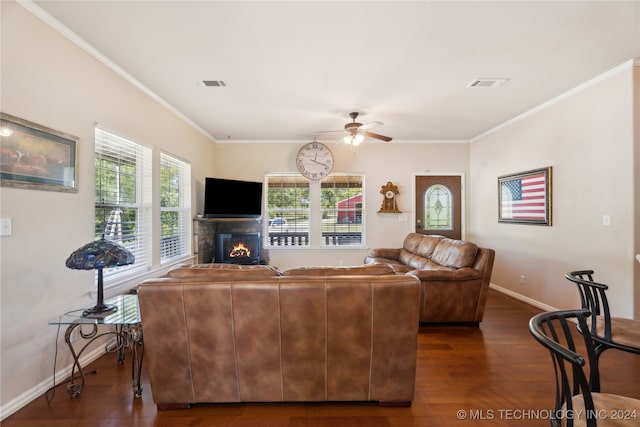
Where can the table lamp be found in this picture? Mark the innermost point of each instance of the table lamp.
(97, 255)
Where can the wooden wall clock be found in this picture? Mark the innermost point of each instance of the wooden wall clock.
(389, 202)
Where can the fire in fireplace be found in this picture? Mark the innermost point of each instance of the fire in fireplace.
(237, 248)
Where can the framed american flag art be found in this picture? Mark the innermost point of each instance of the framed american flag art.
(525, 197)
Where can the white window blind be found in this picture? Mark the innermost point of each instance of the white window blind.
(123, 197)
(304, 213)
(287, 210)
(342, 201)
(175, 208)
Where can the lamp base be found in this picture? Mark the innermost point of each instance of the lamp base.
(100, 311)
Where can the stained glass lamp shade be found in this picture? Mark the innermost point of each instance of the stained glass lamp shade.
(97, 255)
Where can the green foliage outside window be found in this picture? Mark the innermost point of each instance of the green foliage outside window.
(169, 200)
(114, 196)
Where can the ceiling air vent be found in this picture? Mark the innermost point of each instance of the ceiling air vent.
(212, 83)
(487, 82)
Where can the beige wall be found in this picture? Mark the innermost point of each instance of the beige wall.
(380, 162)
(47, 79)
(587, 137)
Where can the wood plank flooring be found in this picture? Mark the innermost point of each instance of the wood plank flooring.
(494, 375)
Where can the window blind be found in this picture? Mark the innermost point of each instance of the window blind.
(288, 208)
(175, 208)
(342, 201)
(123, 196)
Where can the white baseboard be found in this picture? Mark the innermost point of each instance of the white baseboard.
(38, 390)
(530, 301)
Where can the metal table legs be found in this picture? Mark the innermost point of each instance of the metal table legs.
(126, 336)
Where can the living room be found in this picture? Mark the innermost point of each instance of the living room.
(587, 133)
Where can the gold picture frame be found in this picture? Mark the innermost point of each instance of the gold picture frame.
(525, 197)
(36, 157)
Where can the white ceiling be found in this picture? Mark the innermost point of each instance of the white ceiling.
(297, 67)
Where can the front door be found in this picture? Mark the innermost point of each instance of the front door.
(438, 201)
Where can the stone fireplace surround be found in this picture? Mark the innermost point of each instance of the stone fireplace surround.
(205, 230)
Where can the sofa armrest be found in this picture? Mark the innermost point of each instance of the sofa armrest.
(446, 274)
(389, 253)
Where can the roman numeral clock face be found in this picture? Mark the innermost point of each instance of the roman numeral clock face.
(314, 160)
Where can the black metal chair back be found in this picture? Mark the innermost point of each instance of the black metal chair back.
(553, 330)
(607, 331)
(593, 297)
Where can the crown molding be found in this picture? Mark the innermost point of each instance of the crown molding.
(39, 13)
(581, 87)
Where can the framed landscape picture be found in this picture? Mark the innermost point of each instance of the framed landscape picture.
(525, 197)
(36, 157)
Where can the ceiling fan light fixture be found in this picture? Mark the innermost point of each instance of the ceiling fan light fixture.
(353, 139)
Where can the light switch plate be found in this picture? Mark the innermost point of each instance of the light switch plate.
(5, 226)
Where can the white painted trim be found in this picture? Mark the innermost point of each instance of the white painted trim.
(463, 188)
(328, 141)
(38, 12)
(527, 300)
(38, 390)
(592, 82)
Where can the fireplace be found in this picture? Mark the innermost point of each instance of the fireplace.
(237, 248)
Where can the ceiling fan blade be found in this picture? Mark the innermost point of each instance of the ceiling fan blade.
(329, 131)
(377, 136)
(370, 125)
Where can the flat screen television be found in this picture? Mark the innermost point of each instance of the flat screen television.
(228, 198)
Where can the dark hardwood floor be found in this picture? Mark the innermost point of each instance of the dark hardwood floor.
(494, 375)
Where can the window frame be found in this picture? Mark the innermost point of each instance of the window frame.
(184, 221)
(315, 213)
(282, 239)
(346, 178)
(123, 149)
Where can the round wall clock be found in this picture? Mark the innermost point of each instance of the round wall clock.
(314, 160)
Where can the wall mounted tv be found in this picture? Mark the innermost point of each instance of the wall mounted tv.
(228, 198)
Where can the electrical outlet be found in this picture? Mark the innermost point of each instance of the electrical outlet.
(523, 280)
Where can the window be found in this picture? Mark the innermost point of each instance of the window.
(123, 196)
(175, 208)
(308, 213)
(287, 210)
(341, 199)
(438, 209)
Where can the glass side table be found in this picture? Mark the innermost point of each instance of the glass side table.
(128, 334)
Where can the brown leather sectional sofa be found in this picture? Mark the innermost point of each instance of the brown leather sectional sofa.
(254, 334)
(454, 275)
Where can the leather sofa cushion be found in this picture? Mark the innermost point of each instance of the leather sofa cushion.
(368, 269)
(454, 253)
(208, 271)
(417, 249)
(411, 259)
(411, 242)
(427, 245)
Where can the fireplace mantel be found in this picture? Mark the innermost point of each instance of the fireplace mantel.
(205, 229)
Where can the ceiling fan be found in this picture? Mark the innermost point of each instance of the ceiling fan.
(356, 132)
